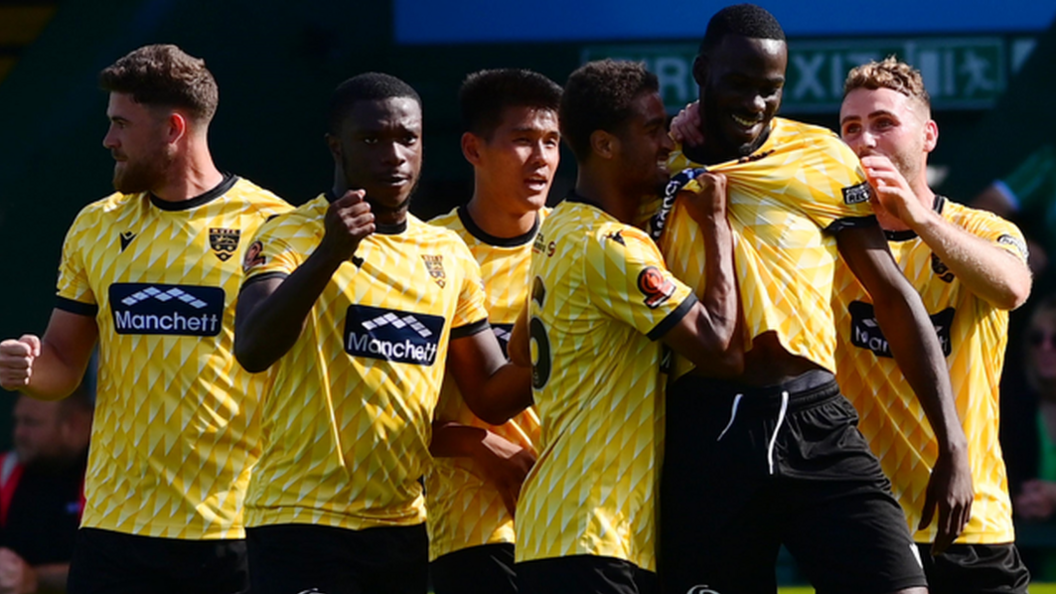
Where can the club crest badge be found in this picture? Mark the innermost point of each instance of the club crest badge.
(435, 266)
(224, 242)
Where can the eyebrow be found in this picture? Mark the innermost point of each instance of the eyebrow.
(877, 113)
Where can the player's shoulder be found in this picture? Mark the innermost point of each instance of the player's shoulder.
(974, 219)
(448, 220)
(785, 128)
(109, 207)
(307, 217)
(432, 233)
(254, 198)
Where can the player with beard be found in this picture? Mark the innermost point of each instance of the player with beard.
(774, 456)
(151, 273)
(601, 303)
(970, 268)
(512, 140)
(356, 305)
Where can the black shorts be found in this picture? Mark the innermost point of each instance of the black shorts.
(289, 558)
(107, 562)
(577, 574)
(975, 569)
(748, 469)
(485, 569)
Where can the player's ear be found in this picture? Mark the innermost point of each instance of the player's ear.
(604, 144)
(471, 148)
(175, 126)
(700, 70)
(931, 135)
(334, 144)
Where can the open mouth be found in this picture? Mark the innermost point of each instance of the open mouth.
(746, 122)
(536, 183)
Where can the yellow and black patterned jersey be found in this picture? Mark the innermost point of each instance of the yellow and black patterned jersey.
(464, 509)
(347, 420)
(176, 427)
(786, 203)
(600, 298)
(973, 335)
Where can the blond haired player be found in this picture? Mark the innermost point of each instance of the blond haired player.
(969, 267)
(512, 140)
(152, 273)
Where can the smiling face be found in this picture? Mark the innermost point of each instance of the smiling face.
(741, 82)
(380, 150)
(519, 159)
(137, 141)
(644, 146)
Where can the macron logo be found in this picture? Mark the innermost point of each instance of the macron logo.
(392, 335)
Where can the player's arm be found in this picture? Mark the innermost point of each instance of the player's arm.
(503, 463)
(52, 367)
(990, 272)
(519, 348)
(271, 312)
(492, 387)
(707, 335)
(915, 346)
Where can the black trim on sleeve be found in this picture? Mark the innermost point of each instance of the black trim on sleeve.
(76, 307)
(672, 318)
(262, 277)
(851, 223)
(476, 231)
(222, 188)
(470, 329)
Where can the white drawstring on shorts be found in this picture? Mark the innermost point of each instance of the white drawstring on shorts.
(780, 421)
(733, 415)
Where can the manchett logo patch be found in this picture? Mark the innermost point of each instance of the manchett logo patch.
(392, 335)
(180, 310)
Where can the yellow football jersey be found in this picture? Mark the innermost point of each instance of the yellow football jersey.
(973, 335)
(600, 297)
(464, 509)
(347, 420)
(786, 202)
(177, 425)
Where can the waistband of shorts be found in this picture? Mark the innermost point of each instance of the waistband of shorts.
(804, 391)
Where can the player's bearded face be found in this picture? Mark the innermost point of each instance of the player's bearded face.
(143, 170)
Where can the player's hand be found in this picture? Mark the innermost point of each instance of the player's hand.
(710, 201)
(685, 127)
(16, 361)
(1037, 500)
(16, 576)
(348, 221)
(949, 491)
(505, 465)
(893, 191)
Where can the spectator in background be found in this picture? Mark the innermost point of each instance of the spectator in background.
(41, 492)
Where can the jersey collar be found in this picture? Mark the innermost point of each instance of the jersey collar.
(484, 236)
(222, 188)
(907, 234)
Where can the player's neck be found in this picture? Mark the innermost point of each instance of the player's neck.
(605, 192)
(191, 174)
(488, 214)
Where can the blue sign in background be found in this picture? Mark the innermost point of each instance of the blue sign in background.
(483, 21)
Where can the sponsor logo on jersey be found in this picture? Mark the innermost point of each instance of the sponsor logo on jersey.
(940, 269)
(176, 310)
(254, 256)
(126, 238)
(435, 266)
(392, 335)
(539, 245)
(857, 194)
(502, 333)
(224, 242)
(1019, 244)
(655, 286)
(866, 333)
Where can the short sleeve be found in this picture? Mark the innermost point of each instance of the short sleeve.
(996, 230)
(74, 292)
(840, 194)
(272, 252)
(628, 280)
(471, 316)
